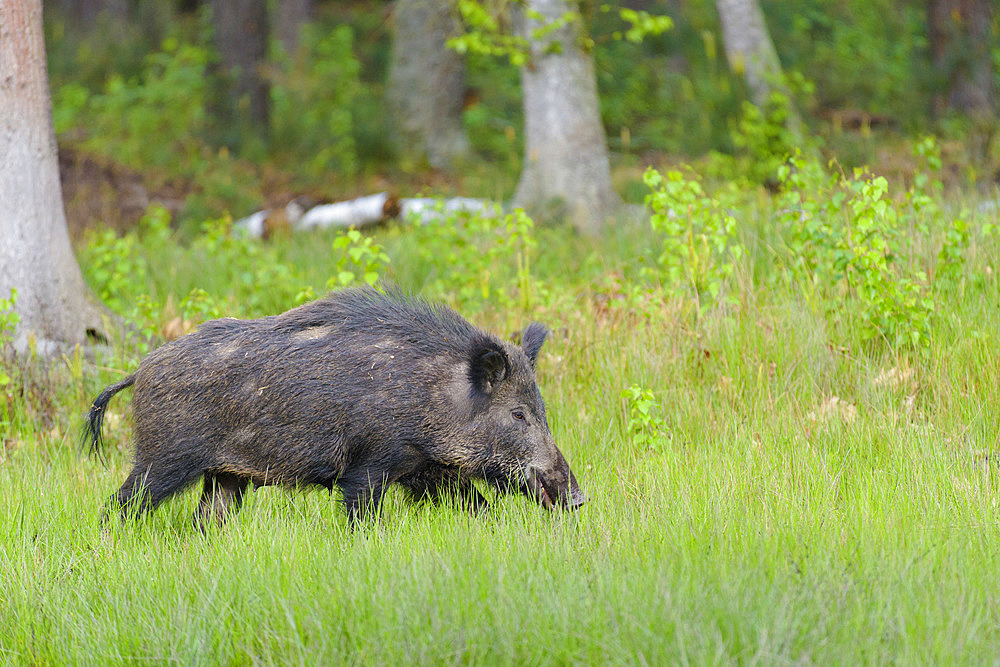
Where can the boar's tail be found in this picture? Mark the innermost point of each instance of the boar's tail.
(92, 426)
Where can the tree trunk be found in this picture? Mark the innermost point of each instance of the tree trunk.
(35, 254)
(961, 44)
(750, 52)
(288, 18)
(241, 34)
(749, 48)
(426, 84)
(565, 151)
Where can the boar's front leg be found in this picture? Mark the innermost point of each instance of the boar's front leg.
(222, 494)
(434, 482)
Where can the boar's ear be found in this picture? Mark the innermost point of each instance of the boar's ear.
(532, 339)
(488, 366)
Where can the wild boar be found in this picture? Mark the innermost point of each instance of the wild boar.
(358, 390)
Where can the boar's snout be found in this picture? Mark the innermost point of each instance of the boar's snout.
(554, 486)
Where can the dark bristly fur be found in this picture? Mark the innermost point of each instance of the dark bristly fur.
(358, 390)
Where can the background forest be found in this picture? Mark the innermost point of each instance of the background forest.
(772, 366)
(149, 87)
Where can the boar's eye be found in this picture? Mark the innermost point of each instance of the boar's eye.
(518, 415)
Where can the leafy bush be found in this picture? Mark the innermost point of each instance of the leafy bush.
(9, 320)
(359, 260)
(699, 245)
(844, 238)
(474, 258)
(861, 54)
(156, 119)
(115, 266)
(644, 426)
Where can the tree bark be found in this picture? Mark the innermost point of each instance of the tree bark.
(426, 84)
(288, 18)
(961, 44)
(749, 48)
(241, 34)
(565, 150)
(750, 52)
(36, 257)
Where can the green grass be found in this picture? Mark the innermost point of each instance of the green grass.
(769, 524)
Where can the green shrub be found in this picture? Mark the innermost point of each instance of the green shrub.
(473, 259)
(9, 320)
(699, 247)
(644, 427)
(844, 239)
(359, 260)
(157, 119)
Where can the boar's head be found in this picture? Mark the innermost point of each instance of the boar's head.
(507, 437)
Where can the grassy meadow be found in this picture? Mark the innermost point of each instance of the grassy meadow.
(785, 411)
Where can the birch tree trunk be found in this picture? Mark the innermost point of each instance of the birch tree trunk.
(36, 257)
(565, 150)
(426, 84)
(750, 52)
(749, 48)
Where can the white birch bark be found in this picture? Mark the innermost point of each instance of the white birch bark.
(36, 257)
(565, 150)
(749, 48)
(750, 52)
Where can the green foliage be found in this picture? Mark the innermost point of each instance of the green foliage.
(672, 93)
(144, 330)
(844, 237)
(493, 123)
(950, 270)
(762, 139)
(699, 246)
(486, 32)
(9, 320)
(895, 307)
(861, 54)
(157, 122)
(644, 427)
(114, 266)
(312, 97)
(359, 260)
(199, 306)
(641, 24)
(153, 120)
(925, 194)
(484, 36)
(474, 259)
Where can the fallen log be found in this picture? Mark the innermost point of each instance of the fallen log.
(361, 212)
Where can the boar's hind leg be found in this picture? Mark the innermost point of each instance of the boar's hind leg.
(362, 495)
(435, 482)
(147, 486)
(222, 494)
